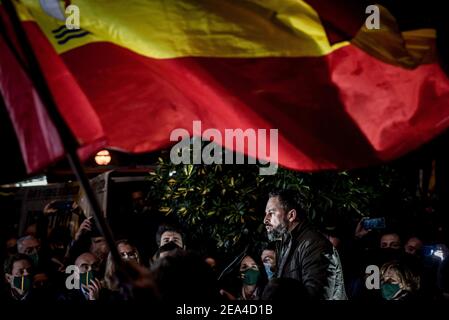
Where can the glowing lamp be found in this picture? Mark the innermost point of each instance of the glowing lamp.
(103, 158)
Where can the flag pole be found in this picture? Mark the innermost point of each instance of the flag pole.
(68, 140)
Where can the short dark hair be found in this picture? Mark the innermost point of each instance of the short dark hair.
(167, 227)
(270, 246)
(289, 200)
(390, 231)
(9, 262)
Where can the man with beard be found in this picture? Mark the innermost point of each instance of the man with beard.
(304, 253)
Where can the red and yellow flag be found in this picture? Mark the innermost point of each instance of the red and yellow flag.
(340, 94)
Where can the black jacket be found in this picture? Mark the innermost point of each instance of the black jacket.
(306, 255)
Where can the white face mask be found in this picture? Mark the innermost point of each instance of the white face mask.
(270, 273)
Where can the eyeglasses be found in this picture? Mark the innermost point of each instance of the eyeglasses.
(22, 272)
(85, 267)
(129, 255)
(32, 250)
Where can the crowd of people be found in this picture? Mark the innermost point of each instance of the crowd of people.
(300, 261)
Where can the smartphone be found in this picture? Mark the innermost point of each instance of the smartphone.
(374, 224)
(436, 250)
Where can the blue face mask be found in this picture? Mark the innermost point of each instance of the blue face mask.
(270, 274)
(389, 290)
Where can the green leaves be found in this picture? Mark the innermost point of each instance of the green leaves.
(217, 202)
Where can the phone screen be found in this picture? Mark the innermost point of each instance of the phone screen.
(375, 223)
(437, 250)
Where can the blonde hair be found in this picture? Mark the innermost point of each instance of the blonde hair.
(110, 279)
(408, 280)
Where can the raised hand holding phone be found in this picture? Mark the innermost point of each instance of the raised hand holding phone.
(360, 231)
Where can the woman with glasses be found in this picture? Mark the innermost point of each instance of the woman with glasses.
(129, 254)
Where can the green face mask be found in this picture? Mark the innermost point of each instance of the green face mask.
(86, 277)
(389, 290)
(23, 283)
(250, 276)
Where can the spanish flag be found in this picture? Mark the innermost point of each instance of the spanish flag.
(343, 90)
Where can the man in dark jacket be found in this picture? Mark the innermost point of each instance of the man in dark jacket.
(304, 253)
